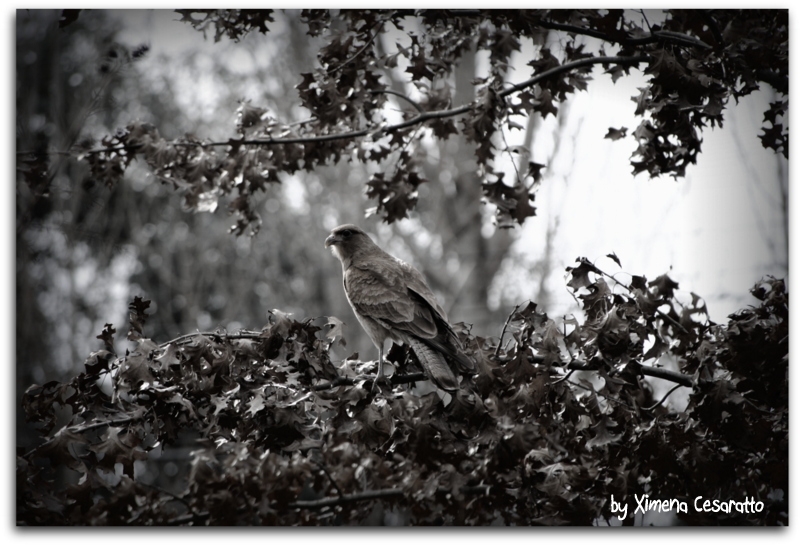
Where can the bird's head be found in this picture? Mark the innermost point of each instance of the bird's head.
(347, 240)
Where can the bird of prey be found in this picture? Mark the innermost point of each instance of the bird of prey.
(392, 301)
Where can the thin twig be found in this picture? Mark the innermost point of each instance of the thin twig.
(81, 428)
(502, 333)
(663, 399)
(607, 398)
(644, 16)
(241, 335)
(401, 95)
(379, 24)
(507, 150)
(565, 377)
(572, 66)
(661, 313)
(330, 478)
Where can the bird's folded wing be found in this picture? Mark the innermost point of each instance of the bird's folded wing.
(385, 298)
(396, 299)
(415, 282)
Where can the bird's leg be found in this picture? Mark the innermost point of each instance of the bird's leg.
(379, 376)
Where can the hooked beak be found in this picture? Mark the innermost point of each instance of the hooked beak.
(331, 240)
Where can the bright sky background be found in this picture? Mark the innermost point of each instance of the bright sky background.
(713, 228)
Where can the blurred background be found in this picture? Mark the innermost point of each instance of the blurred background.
(83, 251)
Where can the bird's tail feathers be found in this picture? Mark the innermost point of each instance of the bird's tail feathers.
(464, 361)
(435, 365)
(451, 346)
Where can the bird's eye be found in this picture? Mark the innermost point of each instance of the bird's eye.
(347, 233)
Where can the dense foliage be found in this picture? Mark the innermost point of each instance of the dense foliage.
(695, 62)
(559, 419)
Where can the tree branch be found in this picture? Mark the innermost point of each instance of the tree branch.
(666, 374)
(81, 428)
(347, 498)
(654, 37)
(252, 335)
(348, 381)
(422, 117)
(655, 372)
(451, 112)
(337, 500)
(663, 399)
(572, 66)
(400, 95)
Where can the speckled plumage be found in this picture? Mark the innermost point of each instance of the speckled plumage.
(391, 300)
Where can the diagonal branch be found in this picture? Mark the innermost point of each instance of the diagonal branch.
(663, 399)
(452, 112)
(82, 428)
(568, 67)
(503, 333)
(422, 117)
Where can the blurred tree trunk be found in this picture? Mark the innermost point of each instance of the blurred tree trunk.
(51, 111)
(450, 209)
(481, 256)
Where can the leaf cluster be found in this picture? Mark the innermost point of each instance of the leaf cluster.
(559, 417)
(695, 61)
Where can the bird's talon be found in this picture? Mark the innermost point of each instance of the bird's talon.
(375, 386)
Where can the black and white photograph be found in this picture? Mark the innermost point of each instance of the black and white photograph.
(400, 267)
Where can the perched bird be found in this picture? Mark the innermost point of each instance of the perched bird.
(392, 301)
